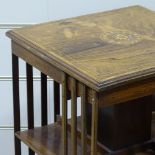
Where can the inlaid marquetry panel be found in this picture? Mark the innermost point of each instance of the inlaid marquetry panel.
(103, 48)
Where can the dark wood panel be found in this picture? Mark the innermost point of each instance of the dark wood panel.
(125, 124)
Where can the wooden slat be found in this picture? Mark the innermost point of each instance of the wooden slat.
(30, 104)
(94, 123)
(74, 117)
(44, 112)
(83, 120)
(64, 113)
(16, 102)
(56, 100)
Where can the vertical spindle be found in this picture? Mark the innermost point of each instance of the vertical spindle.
(64, 114)
(56, 100)
(30, 104)
(94, 123)
(73, 117)
(44, 113)
(83, 120)
(16, 102)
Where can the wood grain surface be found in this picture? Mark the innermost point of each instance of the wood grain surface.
(102, 50)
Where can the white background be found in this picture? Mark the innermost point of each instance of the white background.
(17, 13)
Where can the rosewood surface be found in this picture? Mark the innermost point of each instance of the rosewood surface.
(102, 50)
(107, 59)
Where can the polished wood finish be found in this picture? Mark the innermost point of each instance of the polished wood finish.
(110, 55)
(16, 102)
(44, 111)
(30, 104)
(102, 50)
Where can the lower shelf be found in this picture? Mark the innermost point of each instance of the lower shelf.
(43, 140)
(47, 141)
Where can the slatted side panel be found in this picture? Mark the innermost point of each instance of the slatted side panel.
(94, 120)
(16, 102)
(30, 104)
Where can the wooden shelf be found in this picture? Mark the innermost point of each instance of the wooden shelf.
(44, 140)
(47, 140)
